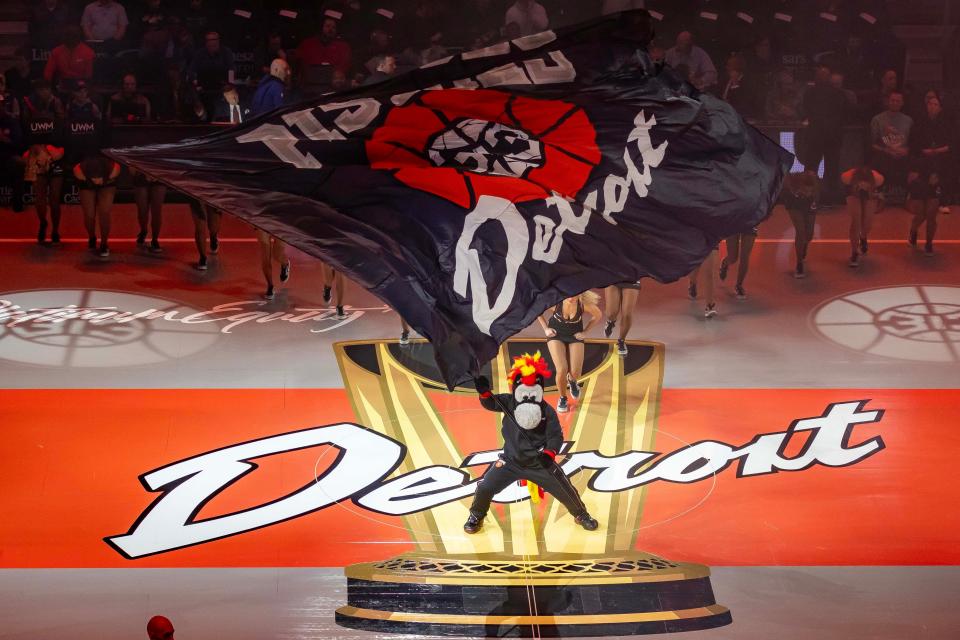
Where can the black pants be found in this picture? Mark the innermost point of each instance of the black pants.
(550, 477)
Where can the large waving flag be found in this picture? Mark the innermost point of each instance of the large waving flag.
(475, 192)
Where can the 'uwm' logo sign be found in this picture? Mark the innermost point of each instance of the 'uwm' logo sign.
(378, 472)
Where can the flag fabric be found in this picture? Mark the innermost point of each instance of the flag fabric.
(475, 192)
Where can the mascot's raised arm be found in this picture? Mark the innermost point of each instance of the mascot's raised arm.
(531, 439)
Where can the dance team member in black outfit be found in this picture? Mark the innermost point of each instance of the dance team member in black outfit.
(923, 201)
(620, 300)
(565, 333)
(96, 178)
(799, 198)
(531, 439)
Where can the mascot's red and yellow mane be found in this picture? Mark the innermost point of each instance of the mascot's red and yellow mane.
(528, 367)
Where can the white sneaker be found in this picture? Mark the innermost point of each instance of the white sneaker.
(945, 210)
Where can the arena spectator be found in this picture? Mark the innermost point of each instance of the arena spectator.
(18, 76)
(47, 21)
(80, 105)
(823, 111)
(72, 60)
(181, 102)
(197, 18)
(931, 140)
(83, 127)
(740, 90)
(386, 68)
(129, 106)
(154, 37)
(211, 67)
(435, 51)
(529, 15)
(104, 20)
(785, 97)
(838, 80)
(180, 50)
(268, 51)
(852, 61)
(149, 17)
(9, 104)
(229, 107)
(418, 27)
(875, 101)
(760, 61)
(657, 54)
(380, 44)
(339, 81)
(11, 167)
(702, 72)
(272, 90)
(41, 103)
(324, 48)
(890, 141)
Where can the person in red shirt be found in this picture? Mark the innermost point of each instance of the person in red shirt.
(324, 48)
(71, 60)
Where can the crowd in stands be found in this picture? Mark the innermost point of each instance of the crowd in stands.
(759, 55)
(816, 66)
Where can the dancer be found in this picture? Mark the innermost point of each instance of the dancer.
(799, 198)
(923, 201)
(205, 219)
(710, 264)
(97, 180)
(739, 248)
(149, 196)
(620, 300)
(43, 124)
(531, 439)
(565, 333)
(272, 250)
(44, 171)
(333, 280)
(932, 139)
(863, 183)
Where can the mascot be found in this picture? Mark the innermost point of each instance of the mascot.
(531, 439)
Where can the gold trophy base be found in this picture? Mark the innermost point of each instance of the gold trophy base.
(554, 595)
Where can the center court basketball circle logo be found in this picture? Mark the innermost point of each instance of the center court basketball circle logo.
(916, 322)
(458, 144)
(89, 328)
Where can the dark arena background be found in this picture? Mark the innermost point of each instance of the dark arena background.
(259, 258)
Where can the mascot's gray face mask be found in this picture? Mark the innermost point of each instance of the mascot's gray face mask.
(528, 413)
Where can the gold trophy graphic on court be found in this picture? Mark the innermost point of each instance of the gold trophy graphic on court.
(530, 571)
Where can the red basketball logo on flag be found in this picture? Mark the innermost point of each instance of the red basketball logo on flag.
(460, 144)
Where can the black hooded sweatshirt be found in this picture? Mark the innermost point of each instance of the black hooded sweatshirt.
(523, 447)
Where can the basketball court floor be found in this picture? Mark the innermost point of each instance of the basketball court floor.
(136, 389)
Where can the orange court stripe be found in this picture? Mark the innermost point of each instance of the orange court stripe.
(72, 457)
